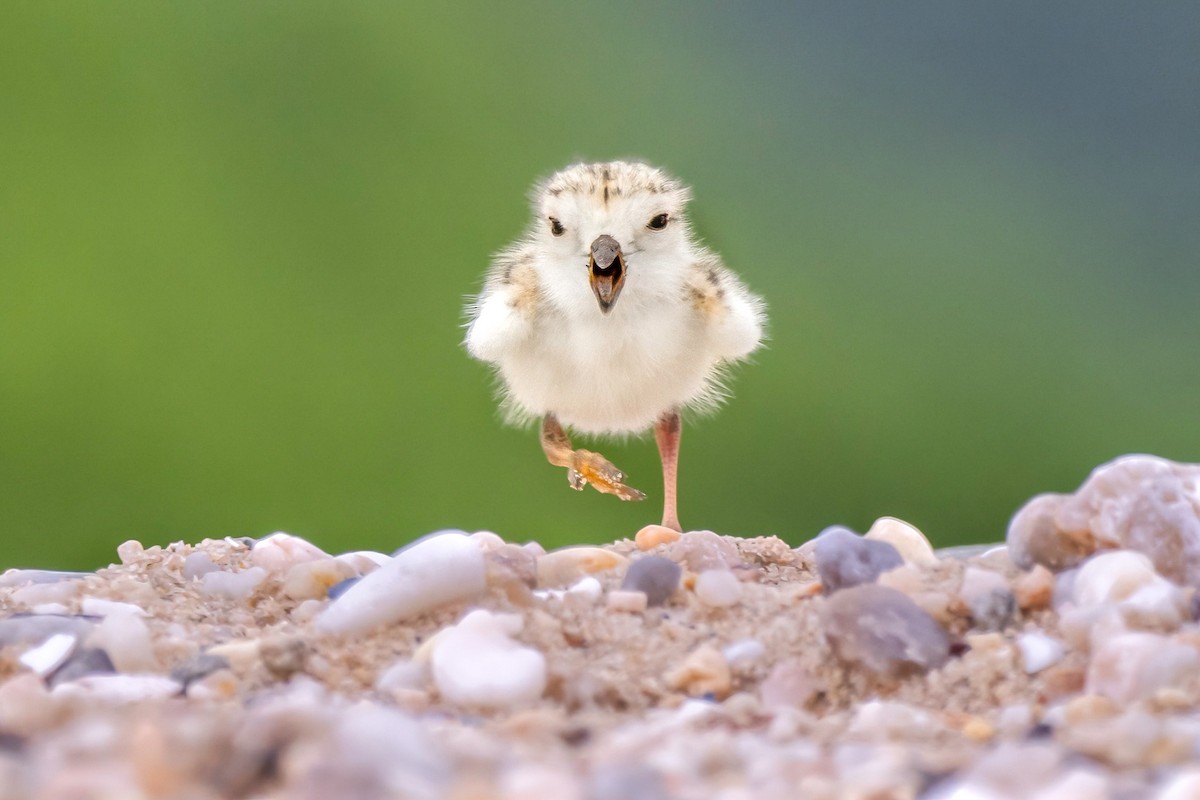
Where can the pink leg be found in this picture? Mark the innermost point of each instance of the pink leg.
(666, 432)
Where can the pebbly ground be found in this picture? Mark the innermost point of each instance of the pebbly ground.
(1062, 664)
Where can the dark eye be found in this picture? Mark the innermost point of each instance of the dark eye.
(657, 223)
(556, 227)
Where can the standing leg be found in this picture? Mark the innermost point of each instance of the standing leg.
(666, 432)
(583, 466)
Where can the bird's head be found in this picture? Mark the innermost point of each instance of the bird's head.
(604, 222)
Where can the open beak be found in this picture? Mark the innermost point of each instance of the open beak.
(606, 271)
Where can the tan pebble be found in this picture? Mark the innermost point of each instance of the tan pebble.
(283, 656)
(802, 591)
(905, 578)
(940, 606)
(1172, 700)
(1034, 589)
(306, 611)
(26, 707)
(986, 642)
(1064, 678)
(412, 700)
(310, 580)
(130, 551)
(241, 654)
(652, 536)
(219, 685)
(704, 671)
(978, 729)
(572, 563)
(1088, 708)
(625, 600)
(912, 545)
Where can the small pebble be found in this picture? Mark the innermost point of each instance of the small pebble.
(1034, 589)
(988, 597)
(718, 588)
(790, 682)
(197, 667)
(432, 573)
(1039, 651)
(118, 688)
(588, 589)
(703, 672)
(701, 550)
(1133, 666)
(130, 551)
(83, 662)
(478, 663)
(283, 656)
(1034, 536)
(197, 565)
(237, 586)
(909, 542)
(652, 536)
(310, 580)
(846, 559)
(101, 607)
(569, 564)
(279, 552)
(37, 628)
(26, 708)
(126, 638)
(883, 630)
(48, 656)
(656, 576)
(743, 652)
(626, 600)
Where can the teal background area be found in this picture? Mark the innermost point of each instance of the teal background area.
(236, 240)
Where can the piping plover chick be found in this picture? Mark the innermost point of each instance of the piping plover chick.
(608, 317)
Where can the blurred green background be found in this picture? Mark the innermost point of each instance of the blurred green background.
(236, 239)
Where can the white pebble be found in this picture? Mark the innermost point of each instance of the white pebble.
(588, 588)
(487, 540)
(310, 580)
(119, 688)
(129, 551)
(743, 651)
(433, 572)
(233, 585)
(718, 588)
(126, 638)
(280, 551)
(626, 600)
(37, 594)
(1113, 576)
(197, 565)
(364, 561)
(1133, 666)
(912, 545)
(46, 657)
(404, 674)
(1039, 651)
(1183, 785)
(100, 607)
(477, 663)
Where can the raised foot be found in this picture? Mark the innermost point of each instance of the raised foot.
(588, 467)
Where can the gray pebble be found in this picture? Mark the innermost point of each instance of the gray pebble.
(85, 661)
(197, 667)
(656, 576)
(37, 628)
(884, 631)
(846, 559)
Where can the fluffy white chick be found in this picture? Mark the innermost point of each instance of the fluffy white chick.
(609, 317)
